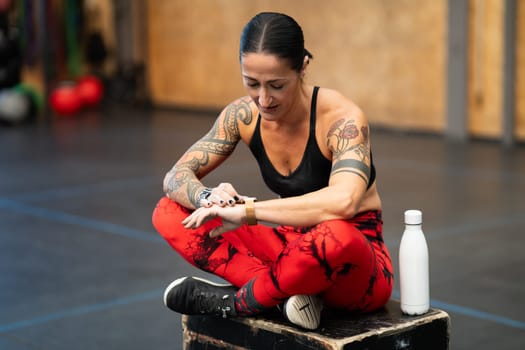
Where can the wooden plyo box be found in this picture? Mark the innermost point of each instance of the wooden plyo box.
(385, 329)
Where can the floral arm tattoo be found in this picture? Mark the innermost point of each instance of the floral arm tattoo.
(349, 156)
(182, 182)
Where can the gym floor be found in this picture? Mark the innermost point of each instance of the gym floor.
(82, 268)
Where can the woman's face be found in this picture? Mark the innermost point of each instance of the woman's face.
(271, 83)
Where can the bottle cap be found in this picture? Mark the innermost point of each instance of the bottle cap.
(413, 217)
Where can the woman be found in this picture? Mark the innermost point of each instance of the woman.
(325, 247)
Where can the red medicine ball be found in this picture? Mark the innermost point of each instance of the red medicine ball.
(90, 89)
(64, 100)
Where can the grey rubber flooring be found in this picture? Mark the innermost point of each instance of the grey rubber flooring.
(81, 266)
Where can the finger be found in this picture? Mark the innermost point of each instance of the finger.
(224, 198)
(202, 215)
(219, 230)
(229, 194)
(186, 219)
(192, 221)
(205, 203)
(216, 232)
(188, 222)
(215, 199)
(231, 200)
(227, 198)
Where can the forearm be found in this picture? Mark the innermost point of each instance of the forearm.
(182, 186)
(307, 210)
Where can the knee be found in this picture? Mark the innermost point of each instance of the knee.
(333, 251)
(167, 216)
(159, 213)
(338, 240)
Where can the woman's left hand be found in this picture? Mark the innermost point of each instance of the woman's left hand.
(232, 218)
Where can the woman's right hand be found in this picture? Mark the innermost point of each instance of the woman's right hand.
(223, 195)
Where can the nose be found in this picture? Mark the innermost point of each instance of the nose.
(264, 98)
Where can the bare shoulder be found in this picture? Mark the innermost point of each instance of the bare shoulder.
(337, 112)
(334, 106)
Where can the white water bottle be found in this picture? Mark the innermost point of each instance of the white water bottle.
(413, 266)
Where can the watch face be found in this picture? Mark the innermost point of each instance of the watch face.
(205, 193)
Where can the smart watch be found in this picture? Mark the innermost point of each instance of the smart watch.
(204, 194)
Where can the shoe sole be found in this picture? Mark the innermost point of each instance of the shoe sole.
(304, 311)
(182, 279)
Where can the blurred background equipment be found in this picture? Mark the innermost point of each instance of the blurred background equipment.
(90, 90)
(15, 107)
(65, 99)
(47, 44)
(10, 55)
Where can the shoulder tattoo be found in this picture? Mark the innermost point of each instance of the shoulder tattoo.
(350, 148)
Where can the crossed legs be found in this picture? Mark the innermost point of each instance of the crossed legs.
(345, 262)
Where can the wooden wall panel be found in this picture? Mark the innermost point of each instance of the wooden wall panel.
(193, 51)
(485, 68)
(388, 56)
(520, 72)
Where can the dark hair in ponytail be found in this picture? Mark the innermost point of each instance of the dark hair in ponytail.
(277, 34)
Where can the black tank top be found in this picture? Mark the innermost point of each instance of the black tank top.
(313, 172)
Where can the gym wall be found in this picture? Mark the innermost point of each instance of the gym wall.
(520, 72)
(485, 68)
(388, 56)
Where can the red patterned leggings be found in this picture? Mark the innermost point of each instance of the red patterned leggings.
(344, 261)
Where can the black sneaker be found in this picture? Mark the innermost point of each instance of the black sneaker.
(304, 310)
(197, 296)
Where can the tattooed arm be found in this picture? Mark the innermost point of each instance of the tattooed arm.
(345, 196)
(348, 140)
(182, 183)
(346, 135)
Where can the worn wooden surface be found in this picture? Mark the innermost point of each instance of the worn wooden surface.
(385, 329)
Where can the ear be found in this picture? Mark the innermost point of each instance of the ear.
(306, 61)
